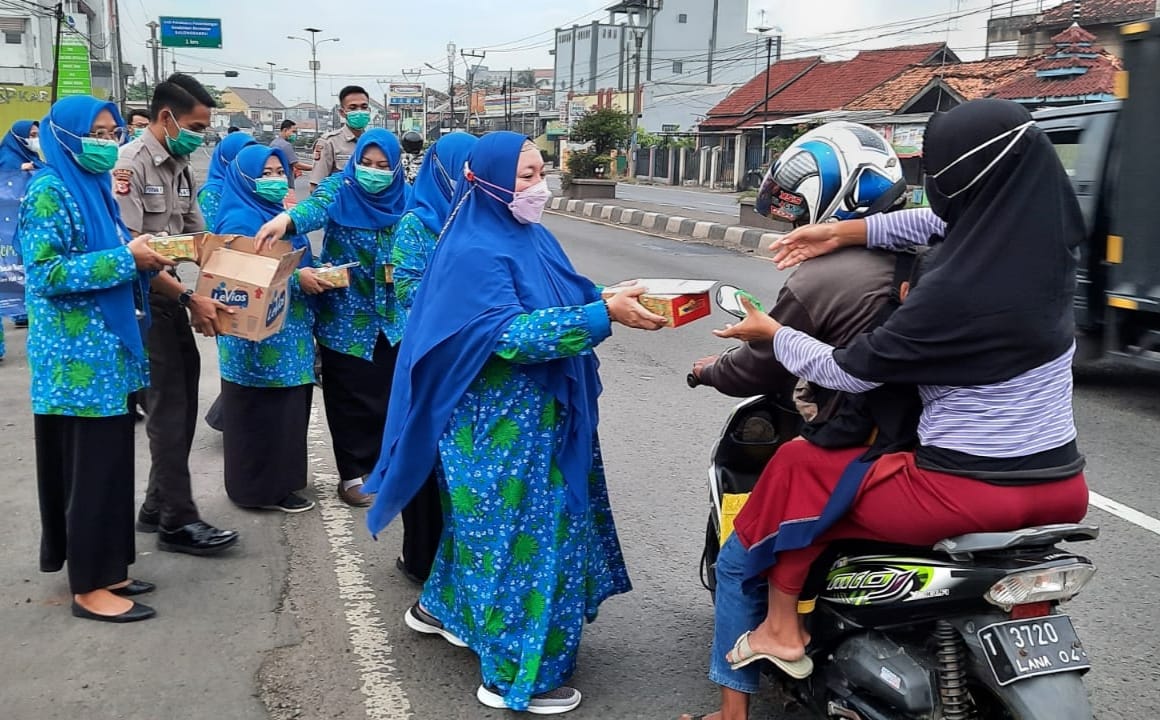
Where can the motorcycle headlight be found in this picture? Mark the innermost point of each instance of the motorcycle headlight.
(1043, 585)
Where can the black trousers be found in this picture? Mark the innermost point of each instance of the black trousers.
(356, 394)
(174, 372)
(84, 478)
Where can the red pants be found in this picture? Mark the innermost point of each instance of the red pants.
(897, 503)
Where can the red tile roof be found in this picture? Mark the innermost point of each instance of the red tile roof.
(833, 85)
(806, 85)
(971, 80)
(1098, 12)
(1073, 49)
(730, 112)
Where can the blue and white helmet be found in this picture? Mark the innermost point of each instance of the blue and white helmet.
(839, 171)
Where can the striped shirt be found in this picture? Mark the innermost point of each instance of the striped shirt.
(1028, 414)
(903, 229)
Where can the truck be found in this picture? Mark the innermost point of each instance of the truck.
(1111, 151)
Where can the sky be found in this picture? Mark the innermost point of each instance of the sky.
(378, 40)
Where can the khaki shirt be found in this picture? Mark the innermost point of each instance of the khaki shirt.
(331, 153)
(155, 190)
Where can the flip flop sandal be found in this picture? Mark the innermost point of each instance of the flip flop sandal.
(796, 669)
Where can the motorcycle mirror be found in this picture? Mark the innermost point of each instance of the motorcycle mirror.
(729, 300)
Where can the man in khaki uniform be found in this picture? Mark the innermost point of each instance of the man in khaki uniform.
(334, 149)
(155, 190)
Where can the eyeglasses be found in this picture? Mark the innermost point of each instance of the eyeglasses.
(117, 133)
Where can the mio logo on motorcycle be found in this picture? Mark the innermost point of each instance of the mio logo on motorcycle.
(882, 582)
(233, 297)
(277, 305)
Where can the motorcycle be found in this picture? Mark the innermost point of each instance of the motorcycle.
(969, 629)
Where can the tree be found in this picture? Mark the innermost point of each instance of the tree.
(526, 79)
(607, 129)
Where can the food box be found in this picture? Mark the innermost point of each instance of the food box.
(680, 302)
(178, 248)
(209, 243)
(338, 275)
(255, 287)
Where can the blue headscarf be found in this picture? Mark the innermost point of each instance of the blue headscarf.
(435, 185)
(452, 335)
(103, 228)
(356, 208)
(242, 212)
(13, 152)
(223, 155)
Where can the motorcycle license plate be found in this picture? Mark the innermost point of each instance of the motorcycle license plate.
(1021, 649)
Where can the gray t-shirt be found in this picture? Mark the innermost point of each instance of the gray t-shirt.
(280, 143)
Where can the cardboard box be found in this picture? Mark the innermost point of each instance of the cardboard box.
(211, 242)
(254, 286)
(178, 248)
(680, 302)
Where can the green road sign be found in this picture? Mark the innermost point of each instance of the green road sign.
(74, 75)
(183, 32)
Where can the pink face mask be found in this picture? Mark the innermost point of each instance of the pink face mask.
(527, 206)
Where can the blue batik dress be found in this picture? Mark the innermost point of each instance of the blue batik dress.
(518, 574)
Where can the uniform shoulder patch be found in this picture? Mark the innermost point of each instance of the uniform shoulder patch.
(121, 179)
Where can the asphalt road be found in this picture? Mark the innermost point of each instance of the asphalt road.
(721, 205)
(304, 619)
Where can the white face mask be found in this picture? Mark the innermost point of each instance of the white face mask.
(1018, 132)
(33, 144)
(527, 206)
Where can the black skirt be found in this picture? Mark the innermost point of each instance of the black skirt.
(84, 476)
(264, 440)
(356, 394)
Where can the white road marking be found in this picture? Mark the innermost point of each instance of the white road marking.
(1124, 512)
(384, 696)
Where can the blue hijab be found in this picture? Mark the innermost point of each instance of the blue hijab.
(223, 155)
(242, 212)
(354, 207)
(451, 335)
(435, 185)
(103, 228)
(13, 152)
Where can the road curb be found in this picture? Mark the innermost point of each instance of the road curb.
(740, 237)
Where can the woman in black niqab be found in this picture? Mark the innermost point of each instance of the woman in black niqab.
(997, 300)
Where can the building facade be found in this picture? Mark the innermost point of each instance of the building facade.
(27, 36)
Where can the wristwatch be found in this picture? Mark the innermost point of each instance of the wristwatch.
(183, 298)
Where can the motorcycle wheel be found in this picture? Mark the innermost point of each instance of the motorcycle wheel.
(989, 706)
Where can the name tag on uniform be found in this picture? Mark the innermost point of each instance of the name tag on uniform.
(183, 192)
(154, 190)
(341, 159)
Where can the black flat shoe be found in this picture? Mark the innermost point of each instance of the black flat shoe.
(198, 538)
(402, 566)
(135, 587)
(133, 614)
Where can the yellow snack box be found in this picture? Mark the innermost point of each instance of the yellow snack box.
(178, 248)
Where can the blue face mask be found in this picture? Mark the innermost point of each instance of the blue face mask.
(374, 180)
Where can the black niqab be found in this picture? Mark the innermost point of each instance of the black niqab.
(997, 300)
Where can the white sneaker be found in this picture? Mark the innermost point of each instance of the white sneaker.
(554, 702)
(422, 621)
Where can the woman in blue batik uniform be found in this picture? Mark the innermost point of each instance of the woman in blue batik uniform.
(501, 386)
(20, 150)
(209, 198)
(85, 354)
(358, 341)
(427, 213)
(267, 386)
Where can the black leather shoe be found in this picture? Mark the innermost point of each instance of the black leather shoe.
(135, 587)
(197, 538)
(147, 522)
(133, 614)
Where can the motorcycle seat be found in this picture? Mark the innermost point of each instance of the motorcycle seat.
(965, 545)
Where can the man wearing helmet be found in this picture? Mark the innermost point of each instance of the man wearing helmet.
(838, 171)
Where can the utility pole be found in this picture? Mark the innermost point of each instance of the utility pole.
(155, 46)
(451, 81)
(270, 86)
(115, 45)
(511, 98)
(479, 57)
(56, 50)
(314, 42)
(638, 33)
(765, 29)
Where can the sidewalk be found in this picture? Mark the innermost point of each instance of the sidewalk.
(642, 217)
